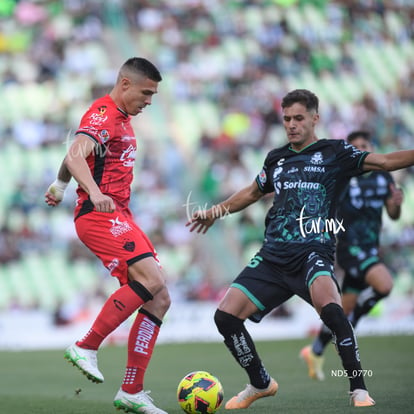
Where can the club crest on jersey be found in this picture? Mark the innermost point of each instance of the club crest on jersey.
(317, 158)
(119, 227)
(129, 246)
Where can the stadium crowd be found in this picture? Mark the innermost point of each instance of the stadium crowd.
(227, 65)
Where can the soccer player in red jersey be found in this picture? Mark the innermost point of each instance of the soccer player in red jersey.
(101, 160)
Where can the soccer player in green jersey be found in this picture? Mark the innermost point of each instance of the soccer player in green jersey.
(306, 177)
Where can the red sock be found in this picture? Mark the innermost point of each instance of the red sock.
(119, 306)
(141, 342)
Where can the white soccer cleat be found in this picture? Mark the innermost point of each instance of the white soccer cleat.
(314, 363)
(139, 403)
(85, 360)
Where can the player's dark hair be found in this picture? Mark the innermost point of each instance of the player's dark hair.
(144, 67)
(307, 98)
(358, 134)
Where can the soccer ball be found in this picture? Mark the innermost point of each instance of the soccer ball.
(199, 392)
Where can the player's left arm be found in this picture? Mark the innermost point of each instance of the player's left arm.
(394, 201)
(388, 162)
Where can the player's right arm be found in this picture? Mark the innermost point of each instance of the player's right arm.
(56, 190)
(77, 165)
(203, 220)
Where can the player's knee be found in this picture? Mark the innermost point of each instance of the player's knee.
(147, 272)
(383, 291)
(333, 316)
(164, 301)
(140, 290)
(160, 304)
(225, 322)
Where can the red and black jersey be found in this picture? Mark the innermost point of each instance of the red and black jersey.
(111, 163)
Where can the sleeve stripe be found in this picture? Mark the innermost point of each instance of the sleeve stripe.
(88, 135)
(362, 159)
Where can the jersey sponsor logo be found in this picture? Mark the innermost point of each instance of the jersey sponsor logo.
(307, 185)
(314, 169)
(97, 119)
(276, 174)
(119, 227)
(128, 156)
(90, 129)
(113, 265)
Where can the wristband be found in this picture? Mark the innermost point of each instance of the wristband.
(57, 189)
(59, 184)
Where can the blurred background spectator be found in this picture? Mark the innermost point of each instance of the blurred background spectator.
(226, 66)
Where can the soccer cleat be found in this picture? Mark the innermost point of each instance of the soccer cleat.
(139, 403)
(250, 394)
(361, 398)
(85, 360)
(314, 362)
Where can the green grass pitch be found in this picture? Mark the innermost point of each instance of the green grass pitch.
(42, 382)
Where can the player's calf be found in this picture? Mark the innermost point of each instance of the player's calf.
(345, 341)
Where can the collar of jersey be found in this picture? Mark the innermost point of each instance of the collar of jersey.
(303, 149)
(122, 111)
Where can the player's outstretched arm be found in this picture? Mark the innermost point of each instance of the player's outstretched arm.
(55, 192)
(390, 162)
(201, 220)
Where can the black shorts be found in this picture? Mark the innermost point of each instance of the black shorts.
(356, 261)
(268, 286)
